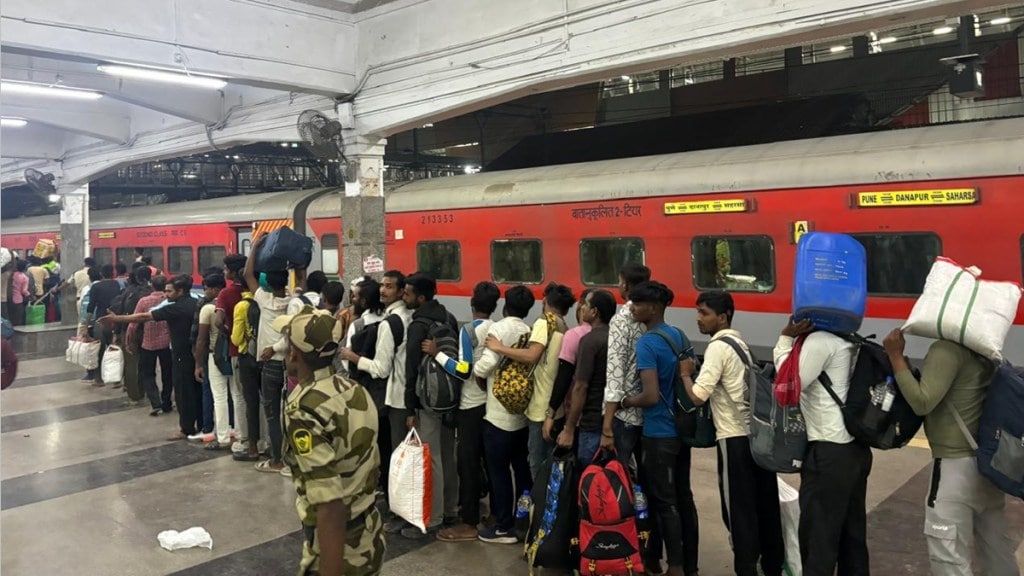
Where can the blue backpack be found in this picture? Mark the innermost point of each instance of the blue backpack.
(1000, 446)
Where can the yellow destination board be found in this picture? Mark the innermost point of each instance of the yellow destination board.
(946, 197)
(106, 235)
(706, 206)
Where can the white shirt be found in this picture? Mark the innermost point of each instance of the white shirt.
(821, 352)
(270, 308)
(368, 318)
(295, 304)
(723, 379)
(383, 364)
(508, 330)
(80, 280)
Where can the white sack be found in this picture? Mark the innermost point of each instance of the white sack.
(410, 481)
(960, 307)
(88, 355)
(113, 365)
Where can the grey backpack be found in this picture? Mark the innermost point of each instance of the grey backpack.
(778, 434)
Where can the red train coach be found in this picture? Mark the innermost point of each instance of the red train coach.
(726, 218)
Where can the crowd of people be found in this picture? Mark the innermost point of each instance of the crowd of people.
(304, 386)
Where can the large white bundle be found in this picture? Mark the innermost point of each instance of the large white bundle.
(410, 482)
(957, 305)
(87, 354)
(113, 365)
(789, 506)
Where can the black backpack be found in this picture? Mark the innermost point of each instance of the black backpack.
(694, 424)
(865, 420)
(436, 388)
(364, 343)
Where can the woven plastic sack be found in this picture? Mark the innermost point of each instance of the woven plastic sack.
(113, 365)
(957, 305)
(789, 504)
(410, 484)
(88, 355)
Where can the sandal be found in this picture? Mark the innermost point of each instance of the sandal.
(264, 466)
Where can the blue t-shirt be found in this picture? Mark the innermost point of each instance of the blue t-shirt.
(653, 353)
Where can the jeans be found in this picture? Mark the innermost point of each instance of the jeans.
(219, 393)
(158, 399)
(539, 448)
(506, 450)
(833, 518)
(470, 451)
(629, 448)
(587, 444)
(271, 389)
(248, 376)
(667, 461)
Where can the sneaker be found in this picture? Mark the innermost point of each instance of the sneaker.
(286, 472)
(497, 536)
(240, 447)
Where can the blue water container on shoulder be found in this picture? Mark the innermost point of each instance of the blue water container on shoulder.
(830, 285)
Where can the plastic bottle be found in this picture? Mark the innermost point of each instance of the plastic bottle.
(639, 502)
(523, 513)
(890, 394)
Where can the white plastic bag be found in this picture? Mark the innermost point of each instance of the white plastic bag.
(88, 355)
(958, 306)
(789, 504)
(72, 352)
(113, 365)
(192, 538)
(410, 481)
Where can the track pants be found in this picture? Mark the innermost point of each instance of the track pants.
(750, 509)
(271, 390)
(833, 518)
(671, 500)
(188, 391)
(470, 450)
(508, 467)
(158, 399)
(963, 508)
(441, 438)
(629, 451)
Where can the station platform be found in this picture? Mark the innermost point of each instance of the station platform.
(88, 483)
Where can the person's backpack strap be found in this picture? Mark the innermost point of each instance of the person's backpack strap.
(305, 299)
(745, 357)
(397, 328)
(826, 382)
(675, 352)
(963, 428)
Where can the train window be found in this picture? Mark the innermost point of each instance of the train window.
(156, 256)
(179, 260)
(441, 258)
(1022, 256)
(601, 258)
(517, 261)
(103, 256)
(734, 263)
(329, 253)
(126, 256)
(211, 257)
(898, 264)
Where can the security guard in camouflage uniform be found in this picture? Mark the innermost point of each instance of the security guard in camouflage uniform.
(330, 444)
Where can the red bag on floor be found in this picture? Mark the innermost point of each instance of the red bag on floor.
(609, 540)
(787, 380)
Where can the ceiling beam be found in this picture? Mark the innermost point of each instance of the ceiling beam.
(103, 126)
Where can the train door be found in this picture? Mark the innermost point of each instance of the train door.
(244, 240)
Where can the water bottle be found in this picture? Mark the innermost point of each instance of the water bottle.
(639, 502)
(878, 394)
(889, 394)
(523, 514)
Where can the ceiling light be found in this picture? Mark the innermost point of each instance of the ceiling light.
(13, 122)
(836, 49)
(44, 90)
(295, 144)
(942, 30)
(284, 144)
(163, 76)
(1002, 20)
(887, 40)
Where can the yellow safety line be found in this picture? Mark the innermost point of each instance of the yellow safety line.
(919, 442)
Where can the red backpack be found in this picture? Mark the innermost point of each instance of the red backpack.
(609, 542)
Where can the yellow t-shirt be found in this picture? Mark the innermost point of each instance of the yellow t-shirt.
(547, 368)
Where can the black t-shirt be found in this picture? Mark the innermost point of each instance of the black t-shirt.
(101, 296)
(178, 315)
(591, 361)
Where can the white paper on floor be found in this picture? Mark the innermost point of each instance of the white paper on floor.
(192, 538)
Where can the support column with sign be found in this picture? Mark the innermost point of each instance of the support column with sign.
(74, 244)
(362, 209)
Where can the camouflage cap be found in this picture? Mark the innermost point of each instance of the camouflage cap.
(311, 330)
